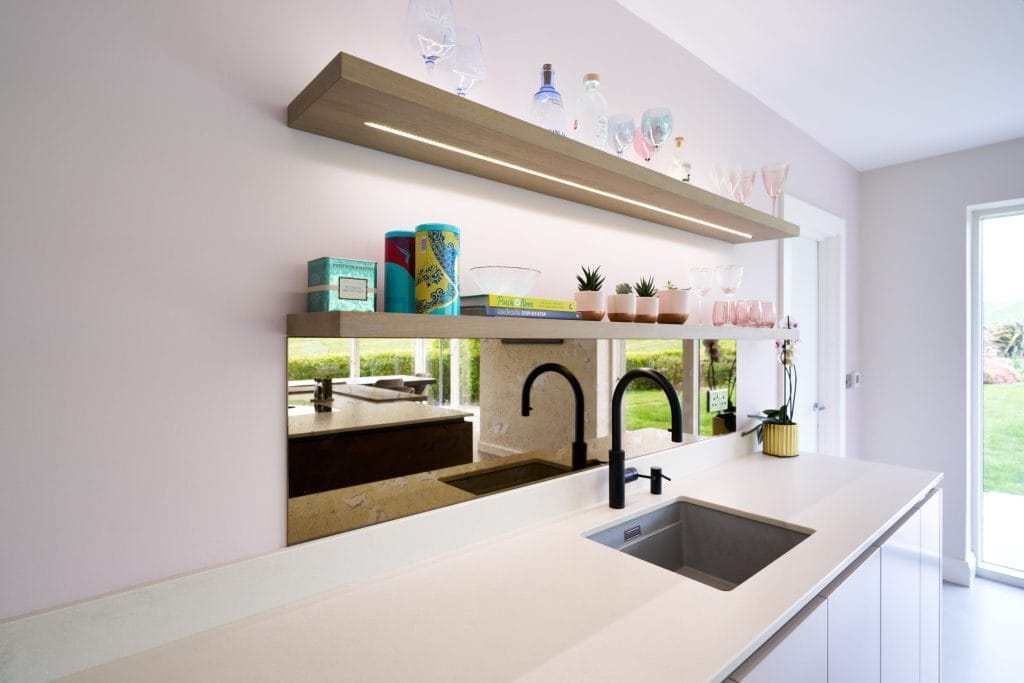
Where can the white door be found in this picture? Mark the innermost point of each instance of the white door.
(814, 295)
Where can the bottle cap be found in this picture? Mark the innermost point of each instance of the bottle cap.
(679, 140)
(546, 67)
(592, 77)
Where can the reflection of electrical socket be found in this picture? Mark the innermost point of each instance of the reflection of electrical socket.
(718, 399)
(853, 380)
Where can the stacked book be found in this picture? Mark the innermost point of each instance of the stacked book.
(502, 306)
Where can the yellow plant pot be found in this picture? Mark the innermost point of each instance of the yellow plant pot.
(780, 440)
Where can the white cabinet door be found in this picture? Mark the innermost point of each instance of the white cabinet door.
(854, 620)
(798, 653)
(931, 586)
(901, 601)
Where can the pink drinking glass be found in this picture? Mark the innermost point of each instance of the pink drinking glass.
(742, 182)
(767, 314)
(774, 176)
(720, 313)
(642, 147)
(741, 314)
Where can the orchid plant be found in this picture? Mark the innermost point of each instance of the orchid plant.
(783, 415)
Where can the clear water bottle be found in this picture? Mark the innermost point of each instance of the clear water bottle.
(547, 111)
(592, 114)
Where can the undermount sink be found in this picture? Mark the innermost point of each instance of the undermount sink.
(717, 548)
(505, 477)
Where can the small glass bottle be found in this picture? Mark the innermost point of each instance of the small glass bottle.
(547, 111)
(678, 168)
(591, 127)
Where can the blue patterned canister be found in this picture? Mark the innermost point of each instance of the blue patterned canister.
(437, 269)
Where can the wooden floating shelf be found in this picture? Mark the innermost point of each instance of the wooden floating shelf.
(407, 325)
(421, 122)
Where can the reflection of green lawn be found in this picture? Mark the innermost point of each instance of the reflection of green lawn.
(648, 408)
(1004, 438)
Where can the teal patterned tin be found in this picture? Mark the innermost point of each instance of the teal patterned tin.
(437, 269)
(338, 284)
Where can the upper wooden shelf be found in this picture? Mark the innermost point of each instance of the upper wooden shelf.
(415, 120)
(409, 325)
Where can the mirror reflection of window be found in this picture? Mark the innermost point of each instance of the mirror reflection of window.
(717, 387)
(646, 406)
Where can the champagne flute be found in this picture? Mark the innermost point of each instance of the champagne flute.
(701, 280)
(729, 278)
(430, 28)
(656, 126)
(620, 132)
(774, 177)
(467, 62)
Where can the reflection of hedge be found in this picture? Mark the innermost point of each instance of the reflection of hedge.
(395, 363)
(668, 363)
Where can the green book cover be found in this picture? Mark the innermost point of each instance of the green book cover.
(524, 302)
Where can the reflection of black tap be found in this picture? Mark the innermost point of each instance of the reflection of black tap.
(579, 446)
(617, 456)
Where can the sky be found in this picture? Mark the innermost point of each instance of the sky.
(1003, 253)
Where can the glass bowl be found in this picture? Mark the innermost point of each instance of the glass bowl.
(506, 280)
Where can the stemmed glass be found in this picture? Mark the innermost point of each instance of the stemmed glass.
(656, 126)
(620, 131)
(430, 28)
(729, 278)
(467, 63)
(644, 149)
(701, 280)
(741, 181)
(774, 176)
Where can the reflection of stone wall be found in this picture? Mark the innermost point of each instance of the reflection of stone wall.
(504, 367)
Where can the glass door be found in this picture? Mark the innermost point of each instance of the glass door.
(1001, 485)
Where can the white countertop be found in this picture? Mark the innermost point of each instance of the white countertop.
(546, 604)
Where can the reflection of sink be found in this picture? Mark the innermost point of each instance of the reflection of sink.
(716, 548)
(505, 477)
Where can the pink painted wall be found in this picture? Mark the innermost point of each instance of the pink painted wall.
(157, 214)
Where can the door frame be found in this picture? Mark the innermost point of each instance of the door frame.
(976, 213)
(829, 231)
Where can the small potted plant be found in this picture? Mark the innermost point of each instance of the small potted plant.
(673, 304)
(622, 304)
(590, 298)
(777, 432)
(646, 301)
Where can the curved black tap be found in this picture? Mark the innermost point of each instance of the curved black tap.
(579, 446)
(617, 456)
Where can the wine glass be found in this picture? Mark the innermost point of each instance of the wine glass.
(774, 176)
(620, 132)
(741, 181)
(720, 179)
(644, 149)
(656, 126)
(430, 27)
(701, 280)
(729, 278)
(467, 62)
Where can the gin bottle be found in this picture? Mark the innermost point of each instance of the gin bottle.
(547, 111)
(591, 126)
(679, 168)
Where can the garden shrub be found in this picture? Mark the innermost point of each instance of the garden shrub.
(1000, 371)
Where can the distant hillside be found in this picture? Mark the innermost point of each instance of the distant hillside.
(1002, 311)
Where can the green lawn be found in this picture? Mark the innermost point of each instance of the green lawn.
(1004, 438)
(648, 408)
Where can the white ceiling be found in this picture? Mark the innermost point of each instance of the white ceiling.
(878, 82)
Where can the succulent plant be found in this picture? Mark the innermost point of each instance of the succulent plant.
(646, 287)
(669, 285)
(623, 288)
(591, 280)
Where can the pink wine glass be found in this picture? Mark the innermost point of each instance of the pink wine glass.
(742, 182)
(641, 146)
(774, 176)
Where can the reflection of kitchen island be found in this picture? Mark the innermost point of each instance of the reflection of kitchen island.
(331, 512)
(360, 442)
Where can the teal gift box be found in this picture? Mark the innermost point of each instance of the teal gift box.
(339, 284)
